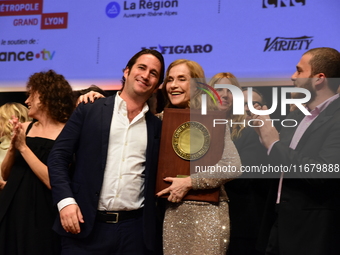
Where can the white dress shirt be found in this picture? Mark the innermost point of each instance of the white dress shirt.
(123, 184)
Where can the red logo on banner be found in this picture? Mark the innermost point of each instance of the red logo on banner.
(24, 7)
(54, 20)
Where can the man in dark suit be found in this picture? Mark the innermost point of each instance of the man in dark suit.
(308, 204)
(107, 203)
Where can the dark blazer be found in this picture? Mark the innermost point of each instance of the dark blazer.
(247, 195)
(308, 215)
(86, 137)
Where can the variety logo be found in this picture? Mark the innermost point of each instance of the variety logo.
(288, 43)
(28, 56)
(282, 3)
(182, 49)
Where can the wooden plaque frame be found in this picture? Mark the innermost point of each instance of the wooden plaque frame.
(171, 165)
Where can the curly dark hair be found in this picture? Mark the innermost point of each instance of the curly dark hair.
(55, 94)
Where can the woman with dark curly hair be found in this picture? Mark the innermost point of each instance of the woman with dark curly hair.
(27, 212)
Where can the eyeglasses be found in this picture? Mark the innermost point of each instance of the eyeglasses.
(254, 103)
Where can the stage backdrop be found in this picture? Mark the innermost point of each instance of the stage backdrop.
(90, 42)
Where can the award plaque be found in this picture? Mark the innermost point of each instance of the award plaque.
(189, 139)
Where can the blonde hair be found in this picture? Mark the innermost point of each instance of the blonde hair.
(197, 73)
(6, 112)
(237, 128)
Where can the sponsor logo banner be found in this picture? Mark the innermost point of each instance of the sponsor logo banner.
(282, 3)
(142, 9)
(17, 8)
(54, 20)
(288, 43)
(182, 49)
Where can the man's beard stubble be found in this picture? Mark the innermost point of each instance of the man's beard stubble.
(308, 84)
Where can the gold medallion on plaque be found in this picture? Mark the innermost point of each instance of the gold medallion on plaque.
(191, 140)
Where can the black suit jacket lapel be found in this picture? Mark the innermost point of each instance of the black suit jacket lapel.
(150, 125)
(107, 114)
(321, 120)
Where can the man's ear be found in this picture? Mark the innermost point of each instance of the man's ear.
(320, 78)
(126, 72)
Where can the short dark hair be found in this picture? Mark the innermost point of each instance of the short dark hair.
(326, 60)
(133, 60)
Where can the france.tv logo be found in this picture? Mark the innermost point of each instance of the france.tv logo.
(112, 10)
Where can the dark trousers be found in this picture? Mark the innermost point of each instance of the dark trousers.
(273, 242)
(241, 246)
(124, 237)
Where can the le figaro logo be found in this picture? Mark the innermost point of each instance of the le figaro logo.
(141, 8)
(282, 3)
(182, 49)
(26, 56)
